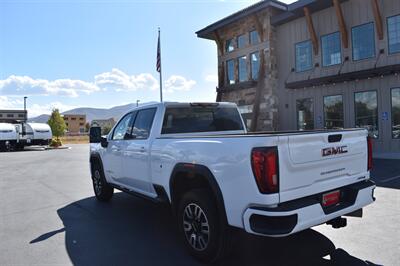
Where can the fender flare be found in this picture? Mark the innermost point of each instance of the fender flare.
(209, 177)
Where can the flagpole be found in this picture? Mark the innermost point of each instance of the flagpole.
(159, 43)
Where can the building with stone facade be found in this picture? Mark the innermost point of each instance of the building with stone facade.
(313, 64)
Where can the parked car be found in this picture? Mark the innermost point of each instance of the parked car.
(8, 137)
(199, 159)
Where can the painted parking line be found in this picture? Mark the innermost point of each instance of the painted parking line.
(389, 179)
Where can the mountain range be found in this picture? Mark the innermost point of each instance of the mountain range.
(91, 113)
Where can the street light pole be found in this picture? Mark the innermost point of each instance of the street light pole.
(26, 115)
(137, 103)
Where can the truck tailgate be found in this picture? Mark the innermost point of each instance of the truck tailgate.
(315, 162)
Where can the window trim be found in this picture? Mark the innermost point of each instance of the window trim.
(111, 136)
(387, 34)
(238, 67)
(227, 72)
(340, 45)
(352, 46)
(151, 124)
(297, 113)
(251, 65)
(258, 34)
(245, 39)
(233, 39)
(391, 113)
(295, 57)
(323, 107)
(377, 109)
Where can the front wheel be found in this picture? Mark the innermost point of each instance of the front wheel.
(203, 231)
(102, 189)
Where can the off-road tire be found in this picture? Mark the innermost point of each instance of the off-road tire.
(219, 236)
(101, 188)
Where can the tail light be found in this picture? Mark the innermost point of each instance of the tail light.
(264, 162)
(369, 143)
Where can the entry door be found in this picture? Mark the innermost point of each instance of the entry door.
(114, 153)
(390, 119)
(136, 159)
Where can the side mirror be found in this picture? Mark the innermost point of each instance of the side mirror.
(104, 141)
(95, 134)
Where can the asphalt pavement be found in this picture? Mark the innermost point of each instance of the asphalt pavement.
(49, 216)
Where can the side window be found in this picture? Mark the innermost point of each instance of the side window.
(142, 126)
(122, 127)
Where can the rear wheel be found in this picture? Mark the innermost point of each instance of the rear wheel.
(203, 231)
(102, 189)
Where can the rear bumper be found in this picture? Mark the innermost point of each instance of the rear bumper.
(297, 215)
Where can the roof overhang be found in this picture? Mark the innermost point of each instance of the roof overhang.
(207, 32)
(295, 10)
(345, 77)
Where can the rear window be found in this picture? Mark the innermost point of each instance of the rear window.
(201, 119)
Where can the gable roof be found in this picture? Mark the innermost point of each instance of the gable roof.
(207, 32)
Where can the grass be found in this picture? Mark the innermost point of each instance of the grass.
(74, 139)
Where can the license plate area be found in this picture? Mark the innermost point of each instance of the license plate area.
(331, 198)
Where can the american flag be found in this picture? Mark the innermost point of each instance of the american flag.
(158, 65)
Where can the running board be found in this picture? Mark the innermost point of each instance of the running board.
(161, 194)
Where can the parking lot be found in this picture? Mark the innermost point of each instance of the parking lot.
(49, 216)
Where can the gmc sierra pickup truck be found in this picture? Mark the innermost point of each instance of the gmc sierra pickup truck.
(200, 159)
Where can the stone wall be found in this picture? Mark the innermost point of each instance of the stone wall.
(244, 94)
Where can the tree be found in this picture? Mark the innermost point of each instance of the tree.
(87, 126)
(106, 130)
(57, 124)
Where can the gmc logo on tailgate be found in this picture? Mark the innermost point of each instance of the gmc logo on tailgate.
(334, 150)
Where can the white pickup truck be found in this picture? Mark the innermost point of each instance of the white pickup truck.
(199, 158)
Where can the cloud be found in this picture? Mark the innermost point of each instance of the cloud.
(211, 78)
(116, 80)
(8, 103)
(35, 109)
(178, 83)
(120, 81)
(24, 85)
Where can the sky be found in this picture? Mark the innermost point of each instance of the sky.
(102, 53)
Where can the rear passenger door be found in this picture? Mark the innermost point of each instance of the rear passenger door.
(136, 159)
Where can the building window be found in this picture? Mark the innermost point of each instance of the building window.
(255, 65)
(394, 34)
(396, 113)
(1, 115)
(366, 111)
(80, 118)
(333, 112)
(73, 118)
(254, 37)
(229, 47)
(20, 115)
(303, 56)
(242, 69)
(66, 124)
(81, 124)
(230, 70)
(363, 41)
(65, 118)
(331, 49)
(10, 115)
(305, 114)
(241, 41)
